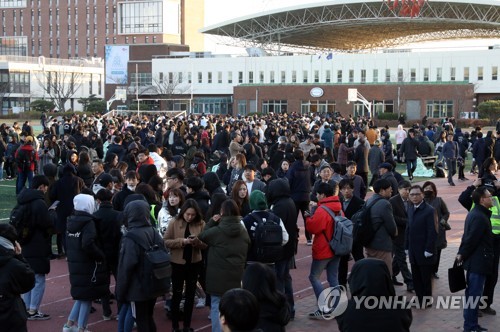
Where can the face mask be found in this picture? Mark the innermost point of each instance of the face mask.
(429, 194)
(131, 188)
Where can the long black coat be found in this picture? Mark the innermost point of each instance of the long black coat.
(16, 278)
(476, 247)
(37, 250)
(400, 217)
(88, 274)
(421, 234)
(108, 228)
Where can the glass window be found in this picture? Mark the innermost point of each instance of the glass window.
(219, 77)
(283, 76)
(466, 74)
(305, 77)
(413, 75)
(494, 73)
(453, 73)
(209, 77)
(229, 77)
(328, 76)
(439, 108)
(261, 76)
(375, 75)
(13, 3)
(200, 77)
(316, 76)
(294, 76)
(141, 17)
(426, 74)
(271, 79)
(240, 77)
(141, 79)
(275, 106)
(387, 75)
(242, 107)
(317, 106)
(250, 77)
(363, 75)
(439, 74)
(479, 73)
(400, 75)
(339, 76)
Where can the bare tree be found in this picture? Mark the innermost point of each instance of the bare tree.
(166, 87)
(60, 86)
(463, 99)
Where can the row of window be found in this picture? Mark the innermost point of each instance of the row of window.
(304, 77)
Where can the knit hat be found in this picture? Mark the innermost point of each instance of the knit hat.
(258, 200)
(386, 166)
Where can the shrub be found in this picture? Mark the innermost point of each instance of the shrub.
(387, 116)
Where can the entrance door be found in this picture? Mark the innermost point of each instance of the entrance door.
(413, 110)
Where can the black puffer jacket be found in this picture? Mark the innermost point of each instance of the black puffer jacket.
(282, 205)
(16, 278)
(86, 261)
(108, 227)
(128, 285)
(37, 249)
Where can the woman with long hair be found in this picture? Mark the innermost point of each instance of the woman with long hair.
(284, 166)
(240, 161)
(186, 259)
(111, 161)
(489, 168)
(431, 197)
(240, 195)
(260, 280)
(84, 169)
(46, 154)
(173, 199)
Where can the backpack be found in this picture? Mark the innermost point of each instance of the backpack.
(155, 269)
(364, 232)
(20, 218)
(342, 238)
(24, 159)
(268, 240)
(91, 151)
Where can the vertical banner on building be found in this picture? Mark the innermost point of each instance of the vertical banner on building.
(116, 61)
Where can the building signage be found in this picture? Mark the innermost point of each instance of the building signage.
(316, 92)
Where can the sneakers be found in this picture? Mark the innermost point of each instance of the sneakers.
(309, 243)
(477, 329)
(110, 317)
(318, 314)
(38, 316)
(488, 311)
(72, 328)
(201, 303)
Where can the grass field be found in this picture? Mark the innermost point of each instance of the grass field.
(7, 199)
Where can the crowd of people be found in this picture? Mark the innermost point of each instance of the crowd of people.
(206, 186)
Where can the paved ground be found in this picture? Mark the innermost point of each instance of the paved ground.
(57, 301)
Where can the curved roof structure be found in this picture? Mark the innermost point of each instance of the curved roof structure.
(350, 25)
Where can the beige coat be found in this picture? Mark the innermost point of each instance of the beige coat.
(174, 237)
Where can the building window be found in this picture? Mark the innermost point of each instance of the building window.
(180, 79)
(261, 76)
(294, 76)
(439, 74)
(426, 74)
(250, 77)
(494, 73)
(209, 77)
(200, 77)
(275, 106)
(479, 73)
(339, 76)
(283, 76)
(219, 77)
(328, 76)
(141, 17)
(400, 75)
(387, 75)
(190, 79)
(271, 79)
(383, 106)
(242, 107)
(316, 76)
(363, 75)
(317, 106)
(439, 108)
(466, 74)
(375, 75)
(305, 77)
(413, 75)
(240, 77)
(229, 77)
(170, 78)
(351, 75)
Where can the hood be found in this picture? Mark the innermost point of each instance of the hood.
(258, 200)
(371, 277)
(231, 226)
(84, 202)
(276, 189)
(400, 127)
(28, 195)
(333, 202)
(137, 214)
(199, 195)
(212, 181)
(146, 172)
(78, 220)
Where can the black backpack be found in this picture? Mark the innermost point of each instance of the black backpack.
(268, 240)
(155, 270)
(364, 231)
(20, 218)
(24, 159)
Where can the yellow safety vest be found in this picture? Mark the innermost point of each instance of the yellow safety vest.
(495, 215)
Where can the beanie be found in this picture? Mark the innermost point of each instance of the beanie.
(258, 200)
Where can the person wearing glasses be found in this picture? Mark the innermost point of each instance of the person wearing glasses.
(420, 242)
(476, 253)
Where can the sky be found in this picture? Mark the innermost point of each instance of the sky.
(217, 11)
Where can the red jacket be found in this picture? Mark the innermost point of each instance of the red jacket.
(28, 148)
(321, 224)
(148, 161)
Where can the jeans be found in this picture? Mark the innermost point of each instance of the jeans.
(411, 166)
(284, 281)
(214, 313)
(33, 298)
(125, 320)
(21, 180)
(452, 168)
(1, 170)
(332, 269)
(80, 313)
(474, 289)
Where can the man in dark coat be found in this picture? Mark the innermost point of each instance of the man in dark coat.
(479, 152)
(420, 242)
(117, 148)
(108, 228)
(196, 191)
(300, 186)
(131, 181)
(409, 150)
(37, 249)
(400, 204)
(282, 205)
(476, 253)
(128, 286)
